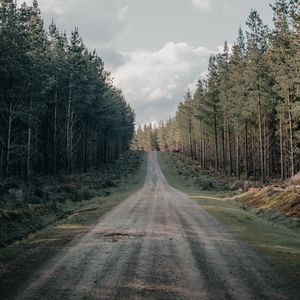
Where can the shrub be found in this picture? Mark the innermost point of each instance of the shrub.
(69, 188)
(38, 193)
(14, 197)
(63, 197)
(83, 194)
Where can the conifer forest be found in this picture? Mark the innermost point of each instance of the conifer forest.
(142, 157)
(244, 118)
(60, 111)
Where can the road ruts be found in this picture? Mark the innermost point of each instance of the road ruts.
(158, 244)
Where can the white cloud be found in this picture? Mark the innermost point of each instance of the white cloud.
(123, 12)
(192, 86)
(228, 7)
(148, 76)
(158, 79)
(202, 5)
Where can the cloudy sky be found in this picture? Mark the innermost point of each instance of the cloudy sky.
(155, 49)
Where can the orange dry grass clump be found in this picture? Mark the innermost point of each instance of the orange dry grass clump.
(285, 197)
(294, 180)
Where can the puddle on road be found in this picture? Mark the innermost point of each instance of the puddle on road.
(117, 236)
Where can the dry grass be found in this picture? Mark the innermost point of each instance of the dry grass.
(285, 199)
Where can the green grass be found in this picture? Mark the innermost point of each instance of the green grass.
(23, 257)
(171, 173)
(278, 243)
(183, 176)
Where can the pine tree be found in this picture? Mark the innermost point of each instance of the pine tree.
(59, 108)
(245, 116)
(257, 78)
(282, 59)
(213, 104)
(239, 112)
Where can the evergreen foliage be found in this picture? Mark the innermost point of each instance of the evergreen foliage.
(59, 109)
(244, 118)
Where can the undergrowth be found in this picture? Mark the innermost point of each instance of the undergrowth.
(29, 206)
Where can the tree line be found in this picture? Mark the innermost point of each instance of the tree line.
(244, 118)
(59, 109)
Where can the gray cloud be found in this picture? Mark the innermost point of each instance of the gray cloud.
(203, 5)
(148, 45)
(154, 81)
(100, 22)
(156, 111)
(112, 58)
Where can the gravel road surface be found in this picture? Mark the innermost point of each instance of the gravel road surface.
(158, 244)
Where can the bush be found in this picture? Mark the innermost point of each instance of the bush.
(38, 193)
(63, 197)
(14, 197)
(83, 194)
(109, 183)
(208, 186)
(69, 188)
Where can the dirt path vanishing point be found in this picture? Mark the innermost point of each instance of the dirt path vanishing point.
(158, 244)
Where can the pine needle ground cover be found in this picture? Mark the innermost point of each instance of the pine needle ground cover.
(274, 234)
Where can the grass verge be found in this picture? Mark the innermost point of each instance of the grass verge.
(23, 257)
(279, 244)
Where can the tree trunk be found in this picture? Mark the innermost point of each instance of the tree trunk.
(28, 155)
(281, 150)
(223, 152)
(237, 157)
(195, 149)
(55, 131)
(105, 147)
(246, 150)
(224, 142)
(190, 138)
(200, 146)
(71, 140)
(265, 140)
(35, 157)
(85, 146)
(229, 150)
(8, 139)
(2, 157)
(261, 150)
(69, 127)
(291, 136)
(203, 153)
(216, 139)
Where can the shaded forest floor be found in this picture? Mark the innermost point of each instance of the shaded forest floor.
(68, 218)
(273, 231)
(28, 206)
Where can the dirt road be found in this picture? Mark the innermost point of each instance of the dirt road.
(158, 244)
